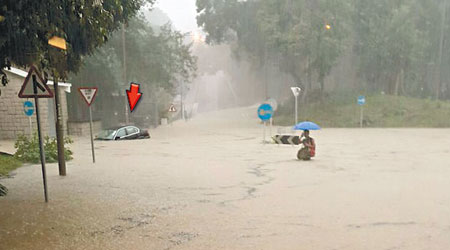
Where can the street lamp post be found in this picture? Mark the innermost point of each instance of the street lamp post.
(296, 91)
(124, 72)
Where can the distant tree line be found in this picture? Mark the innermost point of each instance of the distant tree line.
(27, 25)
(156, 57)
(400, 47)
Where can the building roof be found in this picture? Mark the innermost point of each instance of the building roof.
(65, 85)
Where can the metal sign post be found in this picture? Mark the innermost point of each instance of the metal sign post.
(31, 126)
(270, 127)
(41, 149)
(265, 113)
(88, 94)
(34, 87)
(92, 136)
(264, 132)
(172, 111)
(296, 91)
(296, 110)
(361, 103)
(361, 117)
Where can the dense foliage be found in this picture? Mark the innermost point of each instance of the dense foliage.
(157, 58)
(153, 57)
(8, 164)
(398, 46)
(27, 25)
(27, 149)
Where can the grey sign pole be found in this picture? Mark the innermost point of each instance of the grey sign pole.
(32, 92)
(296, 109)
(92, 137)
(88, 94)
(270, 128)
(31, 126)
(296, 91)
(361, 118)
(41, 147)
(264, 132)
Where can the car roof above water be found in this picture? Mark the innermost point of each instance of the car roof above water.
(118, 127)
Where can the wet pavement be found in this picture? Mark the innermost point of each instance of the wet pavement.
(211, 184)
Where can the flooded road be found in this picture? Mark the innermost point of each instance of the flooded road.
(211, 184)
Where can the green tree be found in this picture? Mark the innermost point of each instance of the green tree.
(306, 37)
(397, 43)
(157, 58)
(27, 25)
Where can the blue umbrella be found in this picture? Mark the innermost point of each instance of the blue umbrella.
(306, 126)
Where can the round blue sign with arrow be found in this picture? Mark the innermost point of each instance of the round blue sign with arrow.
(361, 100)
(28, 108)
(265, 112)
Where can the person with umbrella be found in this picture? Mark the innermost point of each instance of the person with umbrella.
(308, 149)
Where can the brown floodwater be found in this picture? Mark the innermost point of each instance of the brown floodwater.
(211, 184)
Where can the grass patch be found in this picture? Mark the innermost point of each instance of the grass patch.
(8, 164)
(341, 111)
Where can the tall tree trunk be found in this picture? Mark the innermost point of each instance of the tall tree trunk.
(322, 83)
(309, 74)
(308, 79)
(397, 84)
(402, 82)
(59, 127)
(441, 47)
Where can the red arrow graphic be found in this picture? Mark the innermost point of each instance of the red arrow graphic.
(133, 95)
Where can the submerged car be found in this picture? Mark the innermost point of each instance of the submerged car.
(123, 133)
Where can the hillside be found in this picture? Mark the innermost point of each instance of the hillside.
(380, 111)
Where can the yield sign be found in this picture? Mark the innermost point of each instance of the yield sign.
(34, 86)
(296, 91)
(172, 108)
(88, 94)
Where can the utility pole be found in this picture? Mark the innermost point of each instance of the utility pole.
(266, 96)
(59, 127)
(55, 55)
(441, 48)
(296, 110)
(296, 91)
(127, 118)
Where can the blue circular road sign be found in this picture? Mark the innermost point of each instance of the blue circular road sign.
(28, 108)
(265, 112)
(361, 100)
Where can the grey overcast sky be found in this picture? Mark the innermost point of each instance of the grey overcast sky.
(181, 12)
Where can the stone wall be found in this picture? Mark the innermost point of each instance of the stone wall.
(12, 118)
(82, 128)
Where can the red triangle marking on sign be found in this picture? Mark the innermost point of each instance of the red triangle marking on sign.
(25, 91)
(89, 99)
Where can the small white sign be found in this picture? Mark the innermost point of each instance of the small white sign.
(296, 91)
(88, 94)
(172, 108)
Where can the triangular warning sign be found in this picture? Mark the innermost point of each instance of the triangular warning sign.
(35, 86)
(88, 94)
(172, 108)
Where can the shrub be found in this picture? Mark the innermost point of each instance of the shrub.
(8, 164)
(27, 149)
